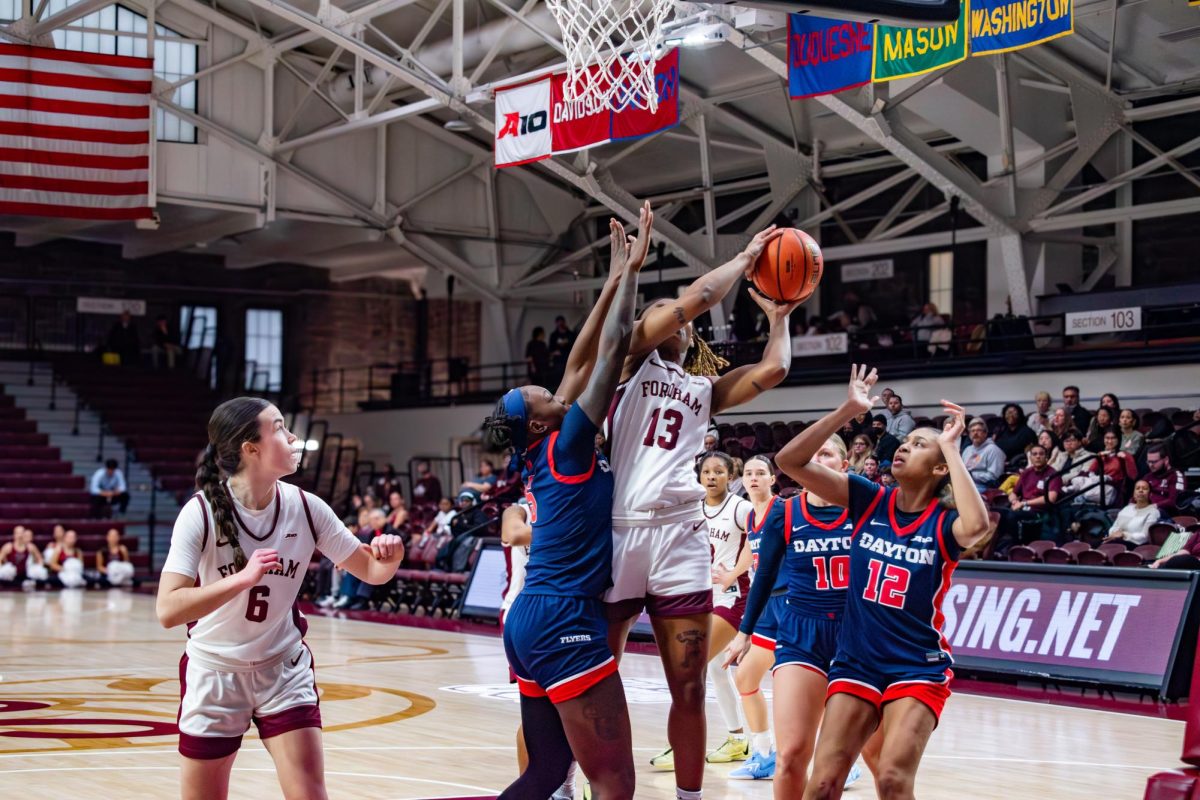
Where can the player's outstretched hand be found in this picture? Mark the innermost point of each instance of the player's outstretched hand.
(736, 650)
(260, 563)
(641, 245)
(861, 383)
(952, 433)
(388, 548)
(619, 245)
(775, 311)
(759, 243)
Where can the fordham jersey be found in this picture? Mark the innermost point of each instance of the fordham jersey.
(262, 625)
(900, 568)
(771, 524)
(656, 427)
(571, 514)
(727, 536)
(817, 558)
(515, 557)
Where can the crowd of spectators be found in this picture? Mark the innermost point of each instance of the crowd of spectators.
(62, 564)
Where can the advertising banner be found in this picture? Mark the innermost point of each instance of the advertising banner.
(998, 26)
(523, 123)
(827, 55)
(905, 52)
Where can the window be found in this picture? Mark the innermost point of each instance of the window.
(198, 331)
(264, 349)
(117, 30)
(941, 281)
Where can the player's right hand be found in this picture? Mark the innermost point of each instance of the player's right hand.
(858, 394)
(736, 650)
(259, 563)
(757, 244)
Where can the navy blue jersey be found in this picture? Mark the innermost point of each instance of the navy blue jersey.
(569, 488)
(900, 568)
(771, 525)
(809, 554)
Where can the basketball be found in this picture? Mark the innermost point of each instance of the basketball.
(789, 268)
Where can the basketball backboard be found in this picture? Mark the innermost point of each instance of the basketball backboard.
(892, 12)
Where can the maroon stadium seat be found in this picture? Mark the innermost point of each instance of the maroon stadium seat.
(1127, 559)
(1056, 555)
(1040, 546)
(1022, 554)
(1111, 549)
(1075, 548)
(1092, 558)
(1146, 552)
(1159, 533)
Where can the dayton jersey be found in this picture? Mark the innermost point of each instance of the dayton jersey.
(656, 428)
(900, 568)
(569, 488)
(262, 625)
(727, 535)
(771, 525)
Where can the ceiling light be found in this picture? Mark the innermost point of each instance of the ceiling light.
(457, 124)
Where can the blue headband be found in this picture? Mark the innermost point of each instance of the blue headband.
(514, 406)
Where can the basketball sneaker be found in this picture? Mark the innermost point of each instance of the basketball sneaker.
(734, 748)
(855, 774)
(664, 761)
(756, 768)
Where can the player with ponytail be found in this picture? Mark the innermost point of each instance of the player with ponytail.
(246, 660)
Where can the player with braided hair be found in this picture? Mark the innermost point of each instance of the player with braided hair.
(660, 540)
(246, 660)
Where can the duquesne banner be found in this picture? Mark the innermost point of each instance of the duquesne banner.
(827, 55)
(534, 120)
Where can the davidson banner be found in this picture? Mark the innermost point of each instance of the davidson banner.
(534, 120)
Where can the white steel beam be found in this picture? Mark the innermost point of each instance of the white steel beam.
(66, 16)
(355, 125)
(154, 244)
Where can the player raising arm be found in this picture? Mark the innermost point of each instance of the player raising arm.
(246, 660)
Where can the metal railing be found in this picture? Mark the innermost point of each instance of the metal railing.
(408, 383)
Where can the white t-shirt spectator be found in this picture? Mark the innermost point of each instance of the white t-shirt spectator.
(1134, 523)
(442, 521)
(103, 482)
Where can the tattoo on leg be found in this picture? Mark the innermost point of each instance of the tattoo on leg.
(680, 317)
(603, 720)
(693, 642)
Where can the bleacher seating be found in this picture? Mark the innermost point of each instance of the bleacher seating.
(37, 489)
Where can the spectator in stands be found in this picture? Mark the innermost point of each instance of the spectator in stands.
(1132, 525)
(1101, 423)
(439, 526)
(1079, 462)
(1117, 464)
(885, 397)
(123, 340)
(1014, 436)
(66, 567)
(859, 314)
(484, 482)
(371, 501)
(599, 448)
(328, 581)
(860, 423)
(1053, 446)
(1131, 438)
(1111, 402)
(537, 357)
(20, 560)
(710, 440)
(353, 594)
(427, 489)
(984, 460)
(1079, 415)
(1060, 422)
(561, 339)
(871, 469)
(1030, 500)
(885, 444)
(166, 343)
(397, 513)
(56, 537)
(860, 451)
(1040, 418)
(900, 423)
(468, 524)
(108, 490)
(112, 561)
(1165, 483)
(886, 478)
(927, 322)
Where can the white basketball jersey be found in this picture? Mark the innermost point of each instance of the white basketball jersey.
(727, 529)
(260, 626)
(656, 428)
(518, 557)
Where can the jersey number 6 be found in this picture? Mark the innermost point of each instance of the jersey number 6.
(673, 420)
(256, 609)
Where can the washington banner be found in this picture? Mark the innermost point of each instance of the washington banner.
(998, 26)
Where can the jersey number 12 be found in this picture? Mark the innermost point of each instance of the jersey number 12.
(670, 436)
(895, 584)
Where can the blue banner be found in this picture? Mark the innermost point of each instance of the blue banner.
(997, 26)
(827, 55)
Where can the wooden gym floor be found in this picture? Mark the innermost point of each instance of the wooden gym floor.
(89, 687)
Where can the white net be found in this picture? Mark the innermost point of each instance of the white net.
(611, 49)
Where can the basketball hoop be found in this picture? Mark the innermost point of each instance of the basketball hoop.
(611, 49)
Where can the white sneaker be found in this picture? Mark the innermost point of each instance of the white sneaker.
(326, 601)
(342, 602)
(28, 585)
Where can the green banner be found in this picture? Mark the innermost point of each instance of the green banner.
(905, 52)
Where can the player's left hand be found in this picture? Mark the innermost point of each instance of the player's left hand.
(775, 311)
(757, 244)
(388, 548)
(736, 650)
(952, 434)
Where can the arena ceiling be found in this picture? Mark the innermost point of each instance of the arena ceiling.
(323, 141)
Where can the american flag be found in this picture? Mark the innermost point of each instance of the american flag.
(74, 133)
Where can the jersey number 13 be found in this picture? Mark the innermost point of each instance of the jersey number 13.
(672, 423)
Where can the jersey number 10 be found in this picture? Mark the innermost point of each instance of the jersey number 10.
(833, 573)
(670, 437)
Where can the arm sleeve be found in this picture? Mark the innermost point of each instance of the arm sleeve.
(862, 492)
(575, 446)
(187, 540)
(770, 556)
(334, 540)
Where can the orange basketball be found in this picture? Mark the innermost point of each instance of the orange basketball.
(790, 266)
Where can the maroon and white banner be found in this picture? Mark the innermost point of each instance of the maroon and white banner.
(1108, 626)
(74, 133)
(534, 120)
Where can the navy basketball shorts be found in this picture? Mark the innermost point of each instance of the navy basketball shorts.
(766, 630)
(805, 640)
(557, 646)
(880, 684)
